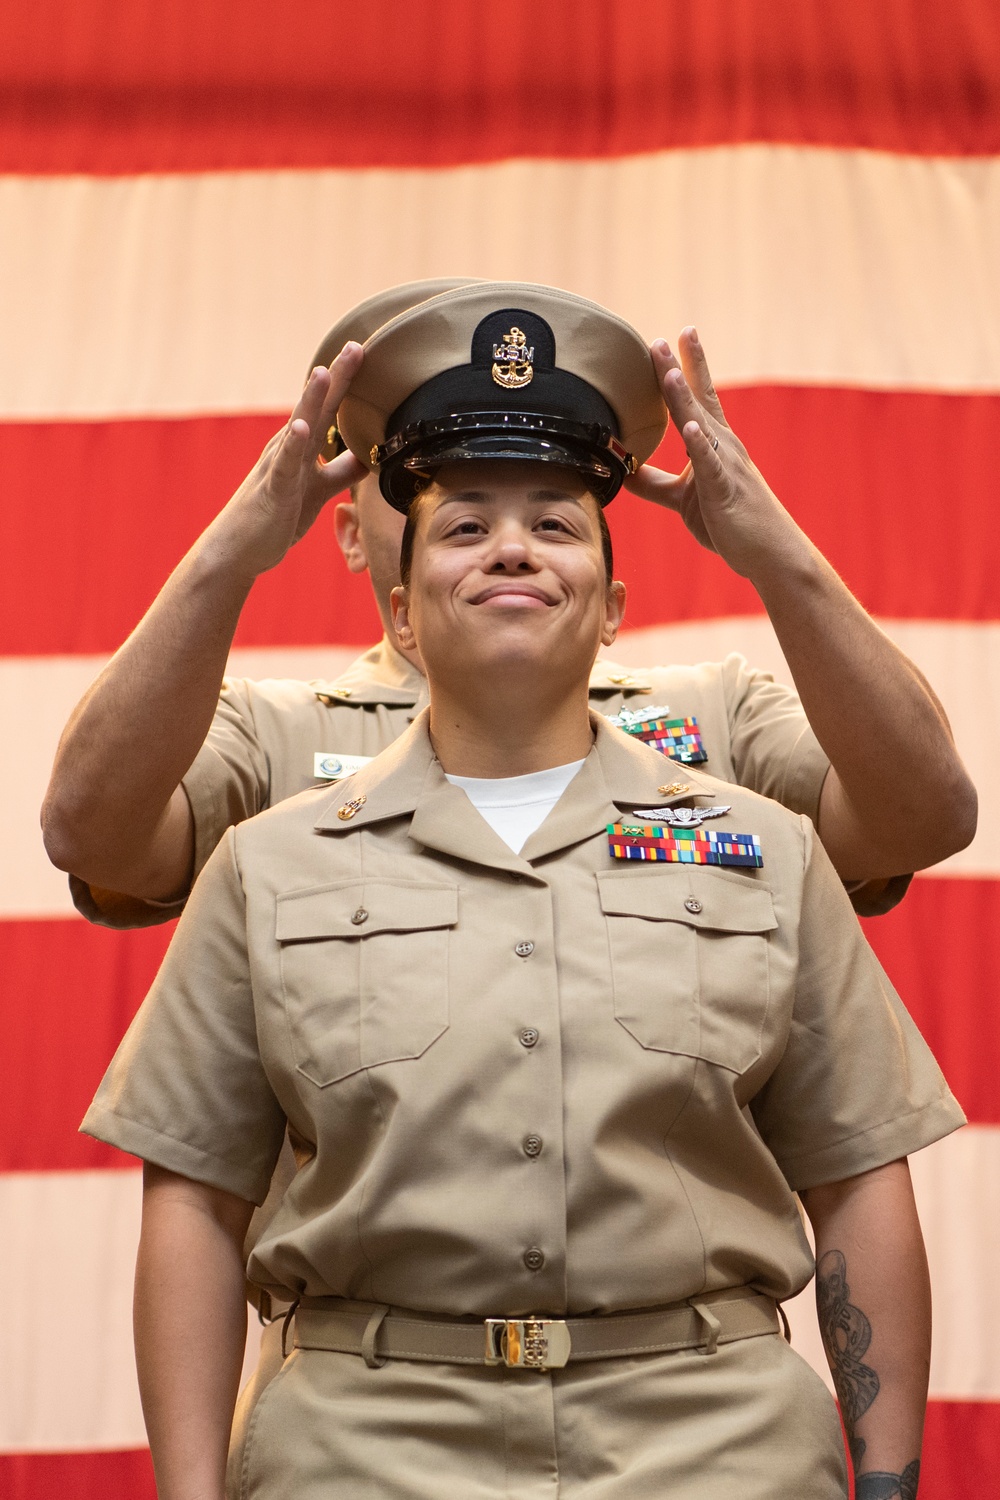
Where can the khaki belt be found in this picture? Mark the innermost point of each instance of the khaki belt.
(379, 1333)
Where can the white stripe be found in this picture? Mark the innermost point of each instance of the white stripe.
(957, 1187)
(67, 1254)
(209, 292)
(961, 660)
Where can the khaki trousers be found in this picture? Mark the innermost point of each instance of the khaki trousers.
(750, 1422)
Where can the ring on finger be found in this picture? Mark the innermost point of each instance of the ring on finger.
(714, 441)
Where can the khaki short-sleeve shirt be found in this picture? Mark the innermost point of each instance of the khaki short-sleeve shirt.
(553, 1080)
(266, 735)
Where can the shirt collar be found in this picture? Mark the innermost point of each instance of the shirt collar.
(620, 773)
(380, 675)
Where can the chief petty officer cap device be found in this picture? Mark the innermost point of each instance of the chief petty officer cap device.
(495, 370)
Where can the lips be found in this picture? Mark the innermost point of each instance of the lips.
(525, 593)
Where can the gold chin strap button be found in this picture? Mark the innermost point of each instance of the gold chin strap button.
(348, 810)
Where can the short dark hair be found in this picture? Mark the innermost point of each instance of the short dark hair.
(410, 532)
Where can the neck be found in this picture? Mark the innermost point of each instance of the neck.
(509, 728)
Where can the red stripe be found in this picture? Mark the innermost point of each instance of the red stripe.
(71, 990)
(77, 1476)
(961, 1447)
(898, 490)
(95, 87)
(961, 1443)
(941, 950)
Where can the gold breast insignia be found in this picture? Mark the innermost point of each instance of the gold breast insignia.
(512, 367)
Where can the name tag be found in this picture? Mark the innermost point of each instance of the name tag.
(328, 767)
(683, 846)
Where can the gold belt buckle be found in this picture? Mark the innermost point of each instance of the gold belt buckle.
(527, 1343)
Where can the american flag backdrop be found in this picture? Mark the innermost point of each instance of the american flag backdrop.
(190, 194)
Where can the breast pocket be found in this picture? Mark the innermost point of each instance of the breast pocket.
(689, 959)
(364, 972)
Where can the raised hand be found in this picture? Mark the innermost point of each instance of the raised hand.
(289, 485)
(720, 495)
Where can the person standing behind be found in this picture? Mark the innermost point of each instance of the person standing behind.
(155, 765)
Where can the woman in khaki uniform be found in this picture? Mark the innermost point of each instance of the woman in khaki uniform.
(557, 1035)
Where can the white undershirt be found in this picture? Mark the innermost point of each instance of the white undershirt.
(514, 806)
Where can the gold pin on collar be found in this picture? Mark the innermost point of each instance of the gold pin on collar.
(675, 789)
(348, 810)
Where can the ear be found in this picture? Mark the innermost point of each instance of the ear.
(399, 606)
(614, 611)
(347, 530)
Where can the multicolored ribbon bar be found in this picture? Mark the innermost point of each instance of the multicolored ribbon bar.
(683, 846)
(678, 738)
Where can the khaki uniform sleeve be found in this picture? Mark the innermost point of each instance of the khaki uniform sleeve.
(774, 750)
(857, 1086)
(228, 782)
(187, 1089)
(230, 779)
(775, 753)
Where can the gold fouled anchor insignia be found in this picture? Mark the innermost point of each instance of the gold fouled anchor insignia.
(348, 810)
(512, 367)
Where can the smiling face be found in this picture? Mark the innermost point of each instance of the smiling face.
(508, 576)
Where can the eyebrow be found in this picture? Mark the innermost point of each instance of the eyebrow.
(465, 497)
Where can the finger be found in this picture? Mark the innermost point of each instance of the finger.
(703, 450)
(343, 370)
(682, 403)
(698, 375)
(657, 485)
(340, 473)
(310, 403)
(292, 453)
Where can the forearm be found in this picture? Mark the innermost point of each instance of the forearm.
(114, 814)
(190, 1330)
(898, 797)
(873, 1297)
(140, 726)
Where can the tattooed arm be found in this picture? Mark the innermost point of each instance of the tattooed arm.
(873, 1297)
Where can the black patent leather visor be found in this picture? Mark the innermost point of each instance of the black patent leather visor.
(410, 458)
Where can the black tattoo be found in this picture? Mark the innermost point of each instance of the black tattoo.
(846, 1334)
(888, 1486)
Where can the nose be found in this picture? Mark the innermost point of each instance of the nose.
(512, 551)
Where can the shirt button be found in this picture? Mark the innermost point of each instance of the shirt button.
(525, 949)
(359, 916)
(528, 1037)
(532, 1145)
(534, 1259)
(693, 905)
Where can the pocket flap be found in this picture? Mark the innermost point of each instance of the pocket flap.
(715, 899)
(363, 907)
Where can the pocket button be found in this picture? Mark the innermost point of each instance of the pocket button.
(359, 916)
(693, 905)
